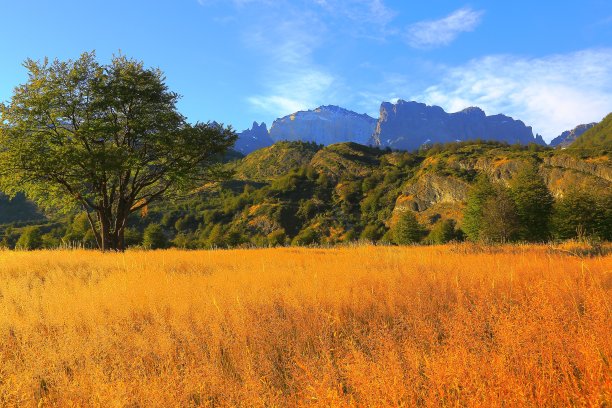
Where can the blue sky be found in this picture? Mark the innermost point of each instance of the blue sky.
(548, 63)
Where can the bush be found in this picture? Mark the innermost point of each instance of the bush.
(579, 214)
(371, 233)
(442, 232)
(30, 238)
(407, 230)
(307, 236)
(277, 237)
(154, 237)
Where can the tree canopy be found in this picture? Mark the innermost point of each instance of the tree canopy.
(105, 138)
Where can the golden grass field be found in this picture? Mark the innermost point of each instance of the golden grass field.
(364, 326)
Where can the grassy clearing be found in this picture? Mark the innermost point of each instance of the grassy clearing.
(364, 326)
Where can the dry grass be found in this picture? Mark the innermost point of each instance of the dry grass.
(365, 326)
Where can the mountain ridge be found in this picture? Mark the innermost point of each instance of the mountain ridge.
(403, 125)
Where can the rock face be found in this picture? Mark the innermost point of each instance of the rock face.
(325, 125)
(408, 125)
(569, 136)
(253, 139)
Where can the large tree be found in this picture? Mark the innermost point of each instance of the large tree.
(107, 139)
(482, 191)
(533, 204)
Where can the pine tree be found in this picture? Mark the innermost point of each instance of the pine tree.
(473, 214)
(533, 204)
(407, 230)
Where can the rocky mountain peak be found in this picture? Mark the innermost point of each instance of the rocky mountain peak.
(326, 125)
(569, 136)
(408, 125)
(252, 139)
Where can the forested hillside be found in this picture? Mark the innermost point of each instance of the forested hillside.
(296, 193)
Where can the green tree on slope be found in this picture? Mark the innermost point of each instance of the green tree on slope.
(106, 139)
(533, 204)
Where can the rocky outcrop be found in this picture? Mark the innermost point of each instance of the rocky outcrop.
(431, 189)
(569, 136)
(253, 139)
(409, 125)
(325, 125)
(600, 168)
(429, 193)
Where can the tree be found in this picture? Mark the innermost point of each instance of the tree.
(579, 213)
(500, 221)
(473, 214)
(533, 204)
(407, 230)
(490, 214)
(442, 232)
(104, 138)
(31, 238)
(154, 237)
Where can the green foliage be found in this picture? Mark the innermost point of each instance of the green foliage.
(490, 214)
(474, 210)
(500, 222)
(216, 238)
(106, 138)
(595, 141)
(31, 238)
(307, 236)
(277, 238)
(581, 214)
(407, 230)
(316, 202)
(154, 237)
(533, 204)
(133, 237)
(442, 232)
(372, 232)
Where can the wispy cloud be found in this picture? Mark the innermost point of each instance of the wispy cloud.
(288, 34)
(366, 11)
(552, 93)
(436, 33)
(292, 80)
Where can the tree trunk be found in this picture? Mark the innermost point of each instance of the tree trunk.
(121, 239)
(106, 238)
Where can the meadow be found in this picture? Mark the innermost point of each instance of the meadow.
(454, 325)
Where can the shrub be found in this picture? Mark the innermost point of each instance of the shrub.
(442, 232)
(30, 238)
(407, 230)
(154, 237)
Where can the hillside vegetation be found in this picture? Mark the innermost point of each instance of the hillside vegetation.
(457, 325)
(295, 193)
(598, 139)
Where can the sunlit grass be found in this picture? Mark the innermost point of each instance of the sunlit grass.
(364, 326)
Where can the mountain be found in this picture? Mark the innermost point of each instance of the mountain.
(252, 139)
(598, 139)
(409, 125)
(569, 136)
(325, 125)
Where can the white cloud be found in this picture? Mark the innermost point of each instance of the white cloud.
(436, 33)
(552, 94)
(292, 80)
